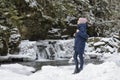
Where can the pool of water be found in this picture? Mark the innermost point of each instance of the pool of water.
(38, 64)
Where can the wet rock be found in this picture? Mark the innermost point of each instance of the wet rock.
(119, 48)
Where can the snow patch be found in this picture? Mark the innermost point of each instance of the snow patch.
(17, 68)
(99, 43)
(32, 3)
(105, 71)
(112, 58)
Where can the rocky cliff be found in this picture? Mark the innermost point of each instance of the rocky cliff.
(56, 19)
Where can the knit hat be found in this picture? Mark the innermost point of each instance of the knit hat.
(82, 20)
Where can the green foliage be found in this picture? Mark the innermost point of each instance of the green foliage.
(36, 21)
(48, 14)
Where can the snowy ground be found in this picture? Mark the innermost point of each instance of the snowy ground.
(107, 71)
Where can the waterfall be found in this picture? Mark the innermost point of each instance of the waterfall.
(47, 49)
(55, 49)
(63, 49)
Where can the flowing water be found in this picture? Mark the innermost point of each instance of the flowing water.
(51, 52)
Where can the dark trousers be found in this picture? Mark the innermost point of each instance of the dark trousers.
(81, 58)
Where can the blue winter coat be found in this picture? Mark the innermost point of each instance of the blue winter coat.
(80, 38)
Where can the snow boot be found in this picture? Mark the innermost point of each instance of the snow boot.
(76, 71)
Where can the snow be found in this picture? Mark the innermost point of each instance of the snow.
(99, 43)
(56, 48)
(28, 48)
(8, 75)
(53, 30)
(67, 46)
(32, 3)
(27, 1)
(105, 39)
(92, 54)
(104, 71)
(17, 68)
(112, 58)
(3, 27)
(110, 48)
(59, 49)
(14, 38)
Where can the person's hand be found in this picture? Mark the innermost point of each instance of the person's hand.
(78, 22)
(74, 34)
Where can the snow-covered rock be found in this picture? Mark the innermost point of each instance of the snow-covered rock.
(99, 44)
(102, 45)
(58, 49)
(28, 49)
